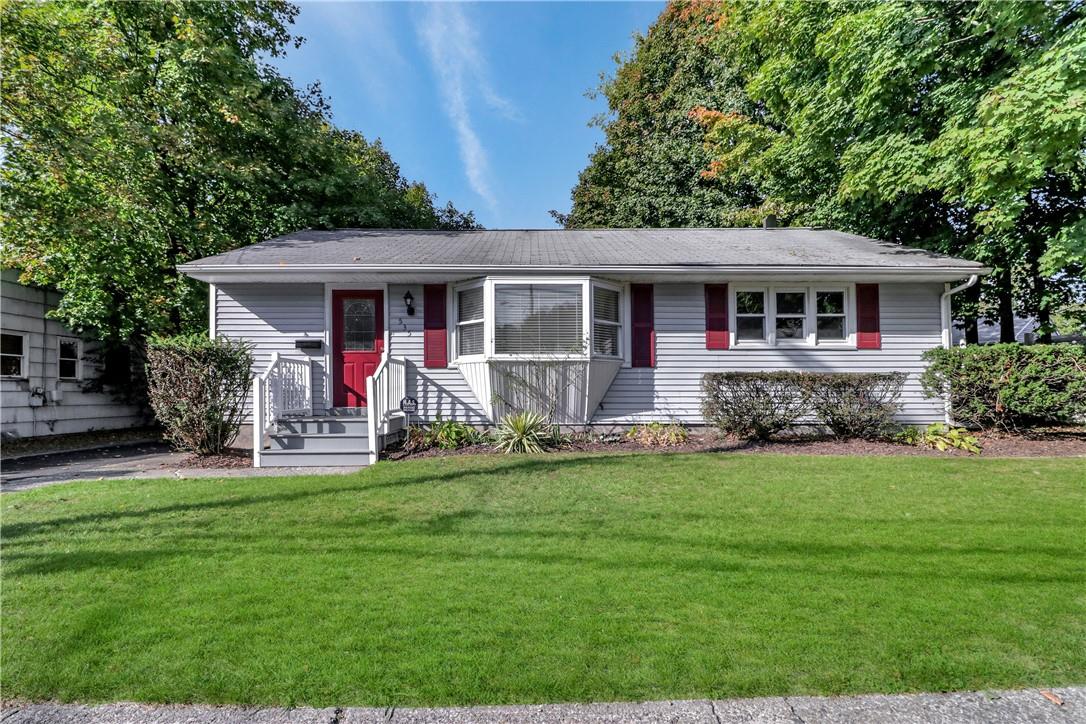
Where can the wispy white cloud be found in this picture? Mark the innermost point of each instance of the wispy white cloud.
(452, 43)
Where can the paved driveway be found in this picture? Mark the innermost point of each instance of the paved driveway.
(143, 460)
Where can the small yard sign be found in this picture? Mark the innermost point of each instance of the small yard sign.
(409, 405)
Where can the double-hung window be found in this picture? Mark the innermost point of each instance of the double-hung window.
(469, 321)
(606, 322)
(539, 319)
(831, 324)
(13, 354)
(790, 317)
(68, 353)
(750, 316)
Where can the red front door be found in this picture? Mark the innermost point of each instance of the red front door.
(358, 339)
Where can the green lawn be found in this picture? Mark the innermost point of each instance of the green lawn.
(554, 578)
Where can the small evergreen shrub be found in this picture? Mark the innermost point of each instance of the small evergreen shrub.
(855, 404)
(659, 434)
(198, 387)
(525, 432)
(1010, 386)
(754, 405)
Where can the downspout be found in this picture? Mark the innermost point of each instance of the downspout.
(948, 326)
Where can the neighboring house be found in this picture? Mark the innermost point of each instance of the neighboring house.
(601, 327)
(988, 333)
(47, 372)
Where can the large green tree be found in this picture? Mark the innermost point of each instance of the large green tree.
(958, 126)
(648, 172)
(140, 135)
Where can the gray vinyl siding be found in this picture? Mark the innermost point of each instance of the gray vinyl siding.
(439, 391)
(271, 317)
(23, 309)
(910, 324)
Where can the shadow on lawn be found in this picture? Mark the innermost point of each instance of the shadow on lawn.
(14, 531)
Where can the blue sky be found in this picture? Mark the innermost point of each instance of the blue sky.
(484, 102)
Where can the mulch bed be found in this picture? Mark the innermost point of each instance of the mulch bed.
(1057, 442)
(231, 458)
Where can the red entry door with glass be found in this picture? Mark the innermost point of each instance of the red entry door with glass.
(358, 339)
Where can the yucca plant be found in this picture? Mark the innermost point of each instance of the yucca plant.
(523, 432)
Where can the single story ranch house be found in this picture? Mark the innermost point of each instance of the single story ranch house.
(599, 327)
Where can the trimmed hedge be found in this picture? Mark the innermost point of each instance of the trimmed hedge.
(758, 405)
(855, 404)
(1010, 386)
(198, 388)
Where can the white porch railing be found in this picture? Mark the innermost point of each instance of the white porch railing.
(284, 388)
(384, 390)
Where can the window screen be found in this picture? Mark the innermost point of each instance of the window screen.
(605, 322)
(538, 318)
(469, 321)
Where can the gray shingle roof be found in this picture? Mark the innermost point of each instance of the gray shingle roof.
(586, 248)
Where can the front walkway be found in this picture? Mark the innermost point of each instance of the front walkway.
(1041, 706)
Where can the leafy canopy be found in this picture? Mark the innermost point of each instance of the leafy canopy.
(138, 136)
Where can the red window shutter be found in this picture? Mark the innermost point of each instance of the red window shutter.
(643, 348)
(716, 316)
(868, 335)
(435, 339)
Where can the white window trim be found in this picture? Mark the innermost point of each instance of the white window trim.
(811, 324)
(24, 358)
(621, 323)
(490, 312)
(490, 284)
(454, 328)
(78, 358)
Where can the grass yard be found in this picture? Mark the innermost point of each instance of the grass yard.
(468, 580)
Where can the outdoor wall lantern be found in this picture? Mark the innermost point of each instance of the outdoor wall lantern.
(410, 302)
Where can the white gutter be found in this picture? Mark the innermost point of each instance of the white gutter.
(948, 326)
(567, 269)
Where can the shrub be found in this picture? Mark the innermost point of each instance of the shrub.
(1010, 386)
(197, 387)
(659, 434)
(753, 404)
(525, 432)
(443, 434)
(940, 437)
(855, 404)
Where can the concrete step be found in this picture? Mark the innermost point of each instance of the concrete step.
(322, 425)
(307, 459)
(320, 442)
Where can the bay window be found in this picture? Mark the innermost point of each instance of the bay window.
(550, 318)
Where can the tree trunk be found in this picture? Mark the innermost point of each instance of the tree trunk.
(1006, 305)
(972, 329)
(1040, 291)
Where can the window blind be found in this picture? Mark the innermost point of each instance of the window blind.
(538, 318)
